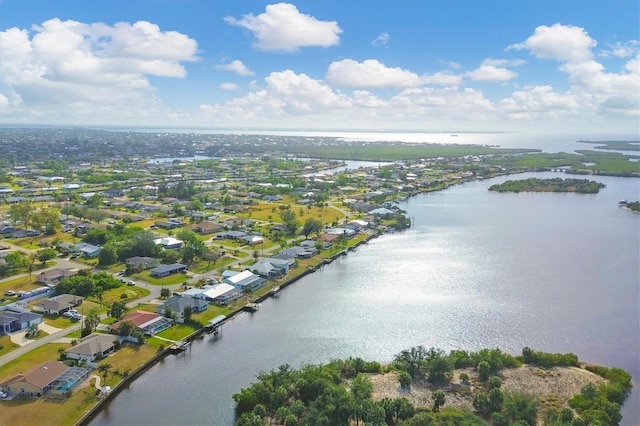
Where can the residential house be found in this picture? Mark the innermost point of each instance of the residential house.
(235, 208)
(44, 378)
(382, 212)
(166, 270)
(88, 250)
(253, 239)
(92, 347)
(232, 235)
(149, 323)
(246, 281)
(168, 242)
(357, 225)
(269, 269)
(53, 276)
(341, 231)
(141, 263)
(113, 193)
(300, 252)
(327, 240)
(207, 227)
(14, 319)
(178, 304)
(167, 224)
(222, 294)
(58, 305)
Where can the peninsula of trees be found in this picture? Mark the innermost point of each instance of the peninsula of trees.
(581, 186)
(429, 387)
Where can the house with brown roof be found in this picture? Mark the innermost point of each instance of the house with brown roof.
(44, 378)
(207, 227)
(149, 323)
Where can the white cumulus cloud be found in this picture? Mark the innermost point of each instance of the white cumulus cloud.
(90, 71)
(564, 43)
(369, 74)
(236, 66)
(283, 28)
(491, 74)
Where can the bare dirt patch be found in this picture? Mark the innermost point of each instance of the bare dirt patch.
(556, 385)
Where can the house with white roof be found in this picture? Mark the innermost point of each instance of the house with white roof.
(222, 294)
(246, 281)
(168, 242)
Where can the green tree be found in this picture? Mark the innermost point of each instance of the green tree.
(136, 194)
(290, 221)
(95, 201)
(118, 309)
(484, 370)
(211, 255)
(31, 263)
(165, 292)
(439, 399)
(361, 387)
(311, 226)
(107, 256)
(126, 328)
(45, 255)
(47, 219)
(104, 369)
(92, 320)
(188, 312)
(250, 419)
(21, 212)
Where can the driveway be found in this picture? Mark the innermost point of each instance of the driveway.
(19, 337)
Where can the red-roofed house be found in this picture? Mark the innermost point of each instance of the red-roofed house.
(149, 323)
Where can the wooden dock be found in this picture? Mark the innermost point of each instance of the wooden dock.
(252, 307)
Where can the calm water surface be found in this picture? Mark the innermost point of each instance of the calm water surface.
(556, 272)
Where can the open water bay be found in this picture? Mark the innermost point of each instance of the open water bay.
(555, 272)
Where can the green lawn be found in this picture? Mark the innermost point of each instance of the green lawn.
(58, 321)
(6, 345)
(177, 332)
(169, 280)
(31, 359)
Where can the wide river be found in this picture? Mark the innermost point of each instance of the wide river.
(478, 269)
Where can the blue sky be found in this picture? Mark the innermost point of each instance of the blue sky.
(332, 64)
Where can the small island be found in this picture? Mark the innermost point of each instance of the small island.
(430, 387)
(634, 206)
(581, 186)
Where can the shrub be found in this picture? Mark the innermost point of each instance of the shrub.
(405, 379)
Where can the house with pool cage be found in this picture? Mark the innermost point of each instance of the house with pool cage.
(50, 377)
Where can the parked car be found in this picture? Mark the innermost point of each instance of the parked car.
(76, 316)
(9, 293)
(131, 283)
(3, 395)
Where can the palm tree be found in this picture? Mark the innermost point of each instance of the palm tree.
(104, 369)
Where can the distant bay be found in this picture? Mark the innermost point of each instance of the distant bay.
(546, 142)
